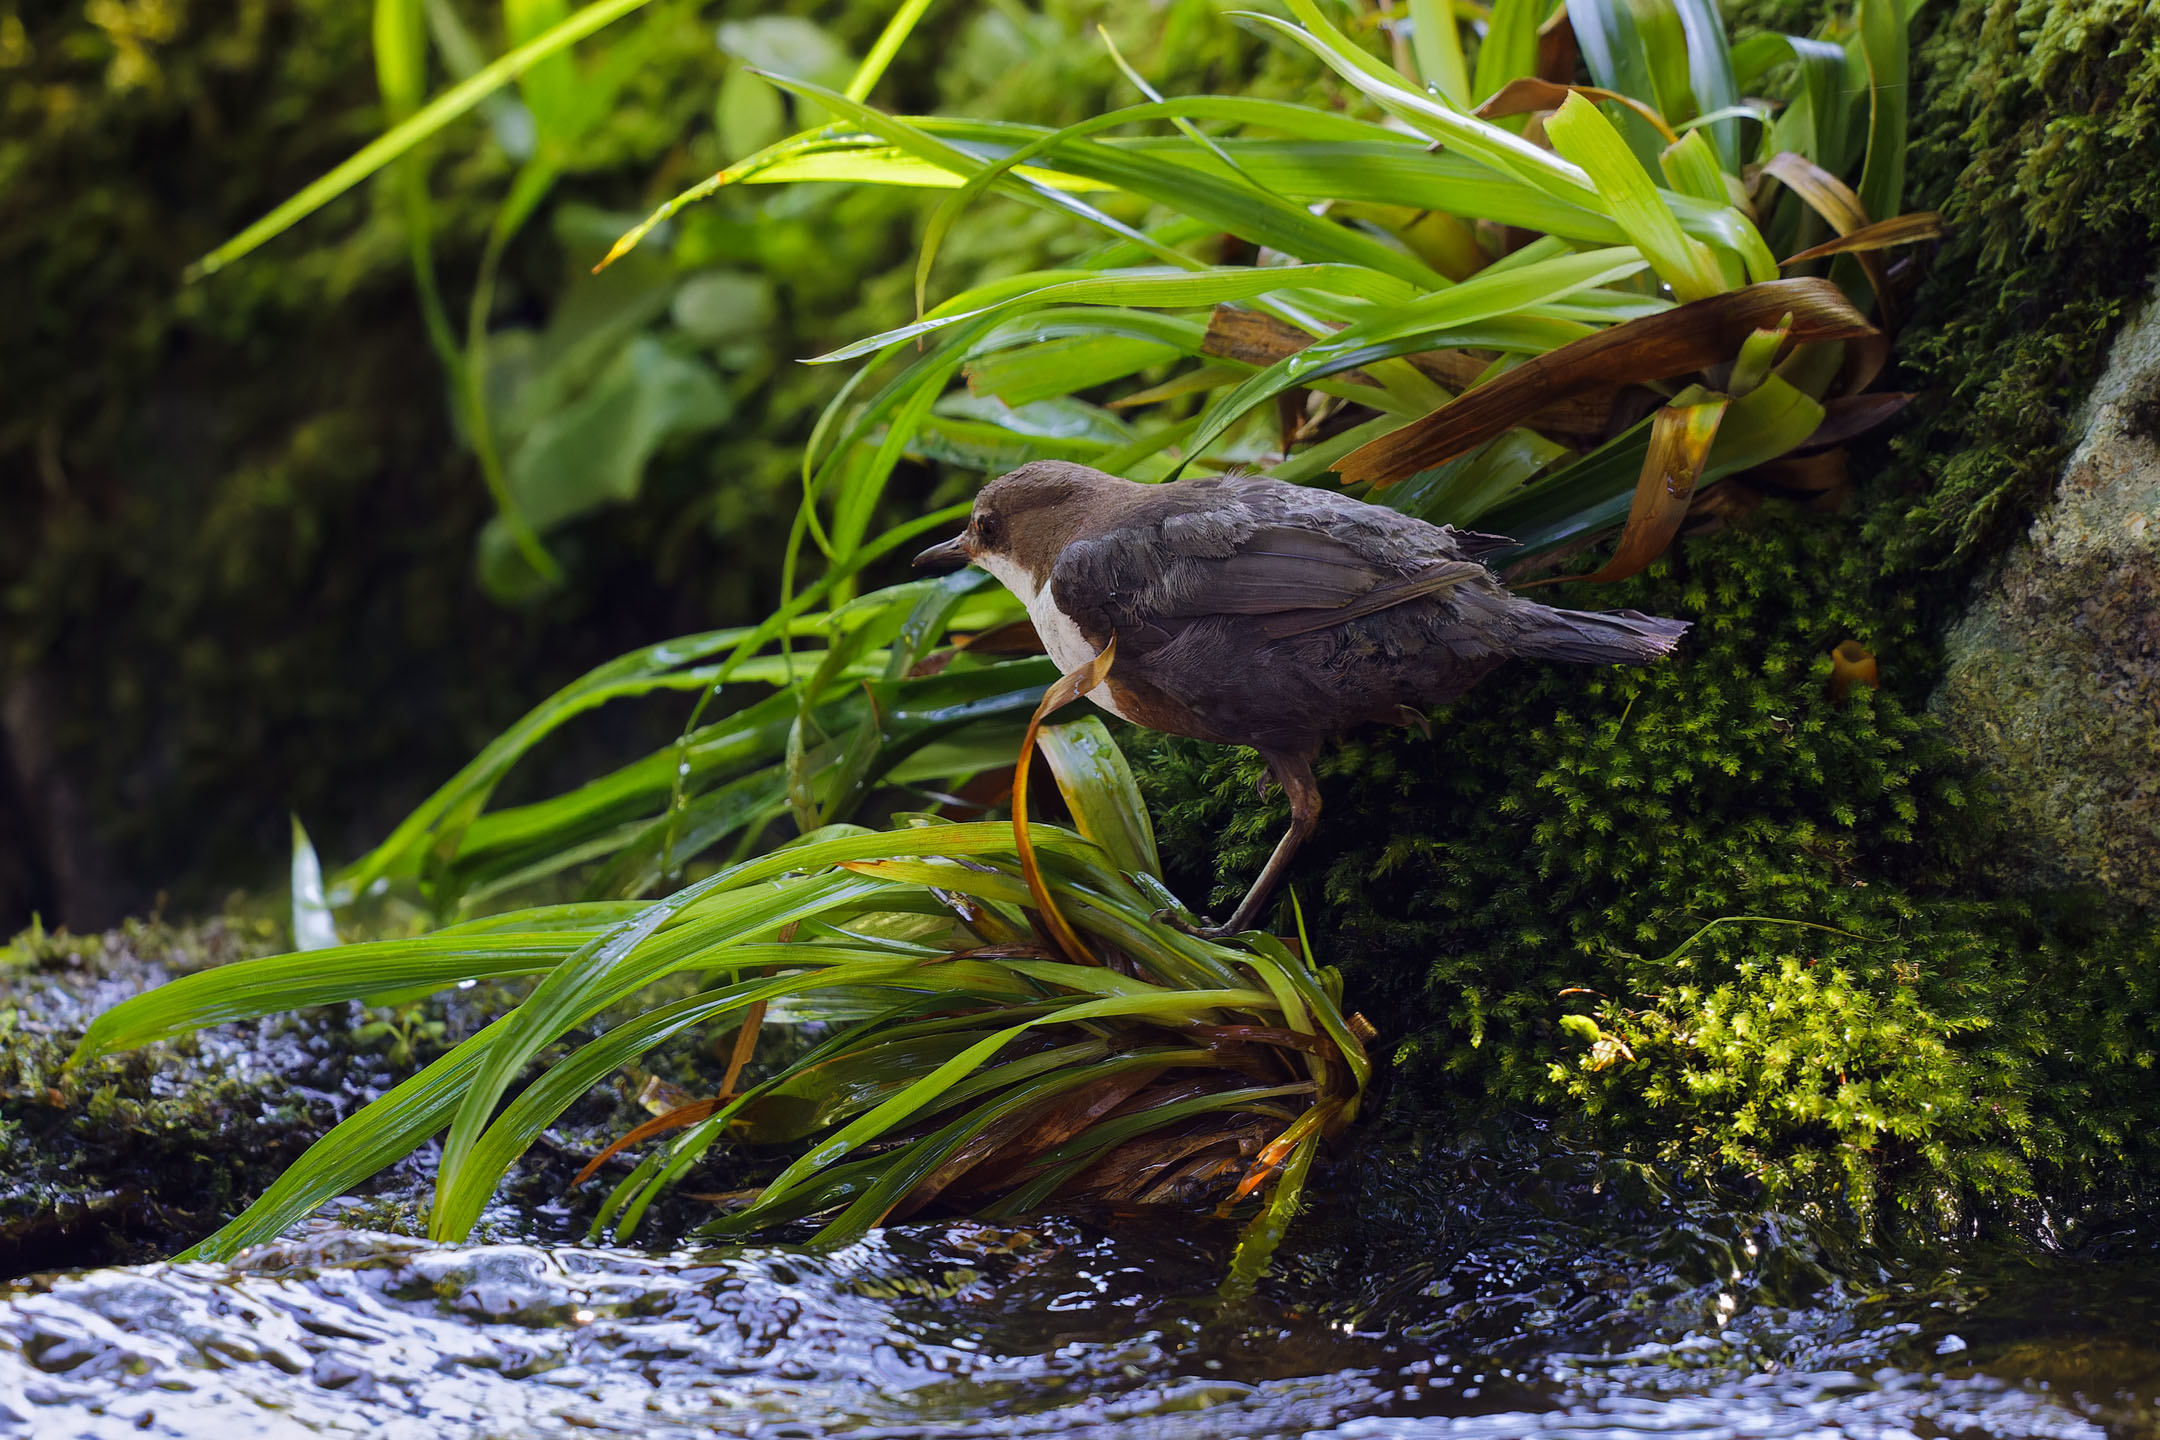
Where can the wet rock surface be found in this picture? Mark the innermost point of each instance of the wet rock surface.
(2053, 678)
(122, 1158)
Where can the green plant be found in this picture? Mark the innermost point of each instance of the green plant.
(1419, 281)
(1381, 314)
(1580, 900)
(961, 1056)
(1406, 338)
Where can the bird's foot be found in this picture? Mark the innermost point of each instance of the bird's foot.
(1200, 927)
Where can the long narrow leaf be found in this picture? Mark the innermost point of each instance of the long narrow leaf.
(1678, 342)
(445, 108)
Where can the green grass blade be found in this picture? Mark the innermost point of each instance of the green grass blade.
(889, 41)
(1710, 76)
(1618, 59)
(1502, 149)
(247, 989)
(1426, 323)
(459, 799)
(459, 1202)
(445, 108)
(639, 1190)
(1154, 286)
(1883, 44)
(1437, 44)
(1099, 789)
(1581, 132)
(1050, 368)
(925, 1156)
(728, 908)
(378, 1135)
(1509, 50)
(902, 1107)
(1257, 1246)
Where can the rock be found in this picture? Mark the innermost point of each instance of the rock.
(2053, 679)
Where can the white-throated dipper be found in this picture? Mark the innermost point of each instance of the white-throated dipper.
(1254, 612)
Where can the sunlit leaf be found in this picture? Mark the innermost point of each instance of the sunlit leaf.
(1581, 133)
(445, 108)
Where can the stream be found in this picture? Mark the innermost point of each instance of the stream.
(1467, 1290)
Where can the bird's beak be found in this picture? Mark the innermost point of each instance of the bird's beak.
(950, 555)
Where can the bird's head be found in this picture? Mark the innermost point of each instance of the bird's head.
(1024, 520)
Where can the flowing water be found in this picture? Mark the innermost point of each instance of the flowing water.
(1427, 1292)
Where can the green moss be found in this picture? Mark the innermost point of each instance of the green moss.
(2034, 138)
(1563, 844)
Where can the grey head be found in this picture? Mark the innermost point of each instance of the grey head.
(1024, 520)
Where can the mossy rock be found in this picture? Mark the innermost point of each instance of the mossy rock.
(2053, 676)
(137, 1155)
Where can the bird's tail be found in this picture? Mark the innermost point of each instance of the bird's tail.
(1604, 637)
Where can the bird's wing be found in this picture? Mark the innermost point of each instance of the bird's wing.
(1276, 568)
(1434, 579)
(1148, 582)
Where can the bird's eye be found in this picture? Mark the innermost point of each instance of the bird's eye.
(986, 530)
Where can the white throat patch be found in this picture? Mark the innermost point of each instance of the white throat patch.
(1060, 635)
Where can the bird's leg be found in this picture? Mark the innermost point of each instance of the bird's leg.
(1294, 774)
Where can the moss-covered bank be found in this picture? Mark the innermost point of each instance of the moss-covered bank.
(1542, 906)
(134, 1156)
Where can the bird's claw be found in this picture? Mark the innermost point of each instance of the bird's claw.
(1200, 927)
(1186, 923)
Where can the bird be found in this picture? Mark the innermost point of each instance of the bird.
(1251, 611)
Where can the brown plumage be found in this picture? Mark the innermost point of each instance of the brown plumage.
(1253, 612)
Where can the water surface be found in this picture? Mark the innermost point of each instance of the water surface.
(1424, 1295)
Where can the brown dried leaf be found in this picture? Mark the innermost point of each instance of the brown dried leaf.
(1881, 235)
(1680, 438)
(1261, 340)
(1557, 49)
(1530, 94)
(1678, 342)
(1835, 201)
(659, 1125)
(1258, 340)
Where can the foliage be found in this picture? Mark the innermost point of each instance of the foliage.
(1614, 236)
(1396, 264)
(236, 579)
(1557, 899)
(235, 573)
(1025, 341)
(1702, 904)
(961, 1056)
(2033, 137)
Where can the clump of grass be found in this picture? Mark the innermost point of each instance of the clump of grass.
(966, 1058)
